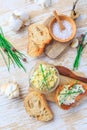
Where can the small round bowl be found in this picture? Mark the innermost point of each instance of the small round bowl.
(68, 19)
(44, 89)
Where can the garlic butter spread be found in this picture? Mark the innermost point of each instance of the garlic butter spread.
(67, 96)
(44, 77)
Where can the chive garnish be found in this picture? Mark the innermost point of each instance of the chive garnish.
(70, 93)
(14, 56)
(44, 77)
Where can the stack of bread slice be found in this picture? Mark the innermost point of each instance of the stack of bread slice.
(38, 37)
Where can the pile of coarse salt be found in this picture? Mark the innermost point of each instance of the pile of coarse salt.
(64, 34)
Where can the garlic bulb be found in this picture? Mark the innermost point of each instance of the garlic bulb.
(22, 15)
(10, 89)
(43, 3)
(75, 43)
(18, 20)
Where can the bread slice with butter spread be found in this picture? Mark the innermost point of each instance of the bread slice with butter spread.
(36, 106)
(68, 95)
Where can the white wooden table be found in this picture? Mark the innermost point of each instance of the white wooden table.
(12, 112)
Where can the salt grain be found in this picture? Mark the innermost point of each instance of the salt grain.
(64, 34)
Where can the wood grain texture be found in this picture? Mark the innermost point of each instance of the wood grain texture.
(12, 112)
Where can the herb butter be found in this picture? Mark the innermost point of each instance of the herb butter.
(44, 77)
(67, 96)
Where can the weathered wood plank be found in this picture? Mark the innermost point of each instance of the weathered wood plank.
(12, 112)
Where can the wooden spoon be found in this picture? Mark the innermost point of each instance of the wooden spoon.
(58, 21)
(66, 72)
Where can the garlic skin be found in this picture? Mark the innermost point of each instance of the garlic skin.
(74, 16)
(18, 20)
(11, 90)
(75, 43)
(15, 24)
(26, 23)
(21, 15)
(43, 3)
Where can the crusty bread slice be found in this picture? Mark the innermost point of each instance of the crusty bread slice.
(38, 37)
(36, 106)
(34, 50)
(78, 98)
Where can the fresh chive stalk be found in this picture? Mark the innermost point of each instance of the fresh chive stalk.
(79, 52)
(14, 56)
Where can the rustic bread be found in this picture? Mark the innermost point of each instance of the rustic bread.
(38, 37)
(77, 98)
(36, 106)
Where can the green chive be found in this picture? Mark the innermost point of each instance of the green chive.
(13, 56)
(44, 78)
(79, 52)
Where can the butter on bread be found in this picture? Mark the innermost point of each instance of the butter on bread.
(77, 99)
(36, 106)
(38, 37)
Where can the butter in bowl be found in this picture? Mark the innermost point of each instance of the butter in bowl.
(62, 28)
(44, 77)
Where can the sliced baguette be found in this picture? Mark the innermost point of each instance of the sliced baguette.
(36, 106)
(78, 98)
(38, 37)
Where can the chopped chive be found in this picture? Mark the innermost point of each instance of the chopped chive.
(69, 92)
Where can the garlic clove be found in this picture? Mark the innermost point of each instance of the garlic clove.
(47, 3)
(11, 90)
(27, 22)
(43, 3)
(21, 15)
(15, 24)
(24, 17)
(16, 93)
(75, 43)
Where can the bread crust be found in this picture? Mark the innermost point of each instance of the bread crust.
(80, 96)
(38, 37)
(43, 101)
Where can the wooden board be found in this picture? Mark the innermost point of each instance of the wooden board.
(63, 80)
(12, 112)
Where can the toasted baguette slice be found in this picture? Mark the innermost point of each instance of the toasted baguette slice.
(34, 50)
(38, 37)
(36, 106)
(77, 98)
